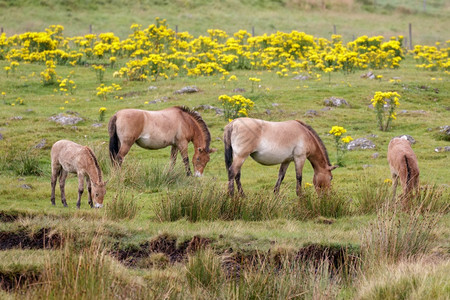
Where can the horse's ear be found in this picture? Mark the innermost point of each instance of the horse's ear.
(331, 168)
(212, 150)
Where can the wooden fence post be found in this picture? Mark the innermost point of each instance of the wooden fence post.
(410, 36)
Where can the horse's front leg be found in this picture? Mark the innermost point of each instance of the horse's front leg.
(80, 188)
(89, 187)
(183, 147)
(299, 162)
(62, 184)
(283, 168)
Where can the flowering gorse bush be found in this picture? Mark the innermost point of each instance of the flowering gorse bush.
(340, 142)
(235, 106)
(67, 85)
(101, 114)
(99, 72)
(48, 76)
(103, 90)
(385, 104)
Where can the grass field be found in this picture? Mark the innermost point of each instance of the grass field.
(163, 235)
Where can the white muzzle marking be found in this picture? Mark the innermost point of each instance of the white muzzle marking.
(198, 174)
(98, 205)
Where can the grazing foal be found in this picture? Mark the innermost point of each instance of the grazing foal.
(69, 157)
(403, 165)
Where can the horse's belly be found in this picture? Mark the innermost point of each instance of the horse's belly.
(148, 142)
(269, 158)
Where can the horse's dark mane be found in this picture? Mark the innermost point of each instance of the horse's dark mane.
(196, 116)
(95, 163)
(321, 144)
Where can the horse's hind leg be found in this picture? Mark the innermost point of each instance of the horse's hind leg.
(173, 156)
(234, 173)
(80, 189)
(62, 184)
(299, 162)
(125, 147)
(89, 187)
(281, 173)
(394, 185)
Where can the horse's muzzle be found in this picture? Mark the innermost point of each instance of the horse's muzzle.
(98, 205)
(198, 174)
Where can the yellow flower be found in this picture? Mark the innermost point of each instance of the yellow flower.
(308, 185)
(347, 139)
(102, 109)
(388, 181)
(337, 130)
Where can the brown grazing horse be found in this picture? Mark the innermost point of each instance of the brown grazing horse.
(69, 157)
(175, 126)
(403, 164)
(272, 143)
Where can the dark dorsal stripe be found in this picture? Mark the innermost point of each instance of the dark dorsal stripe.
(99, 172)
(198, 119)
(320, 142)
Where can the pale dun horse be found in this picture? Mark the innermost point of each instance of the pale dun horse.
(175, 126)
(404, 166)
(69, 157)
(272, 143)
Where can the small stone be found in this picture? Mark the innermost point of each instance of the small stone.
(65, 119)
(375, 155)
(26, 186)
(187, 90)
(152, 87)
(335, 101)
(97, 125)
(442, 149)
(218, 111)
(41, 144)
(311, 113)
(301, 77)
(1, 136)
(361, 143)
(369, 75)
(275, 104)
(367, 166)
(268, 112)
(16, 118)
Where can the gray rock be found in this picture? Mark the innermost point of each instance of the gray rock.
(275, 104)
(41, 144)
(268, 112)
(361, 143)
(445, 129)
(16, 118)
(371, 135)
(26, 186)
(65, 119)
(367, 166)
(97, 125)
(413, 112)
(152, 87)
(442, 149)
(410, 139)
(1, 136)
(335, 101)
(187, 90)
(326, 108)
(375, 155)
(301, 77)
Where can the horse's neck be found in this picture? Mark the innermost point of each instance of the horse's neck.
(92, 171)
(317, 157)
(198, 136)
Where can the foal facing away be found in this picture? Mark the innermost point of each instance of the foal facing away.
(403, 164)
(272, 143)
(69, 157)
(175, 126)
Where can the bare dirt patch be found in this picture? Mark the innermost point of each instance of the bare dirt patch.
(42, 239)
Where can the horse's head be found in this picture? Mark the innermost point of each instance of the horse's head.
(322, 179)
(98, 193)
(200, 159)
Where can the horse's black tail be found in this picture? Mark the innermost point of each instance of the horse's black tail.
(228, 147)
(113, 139)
